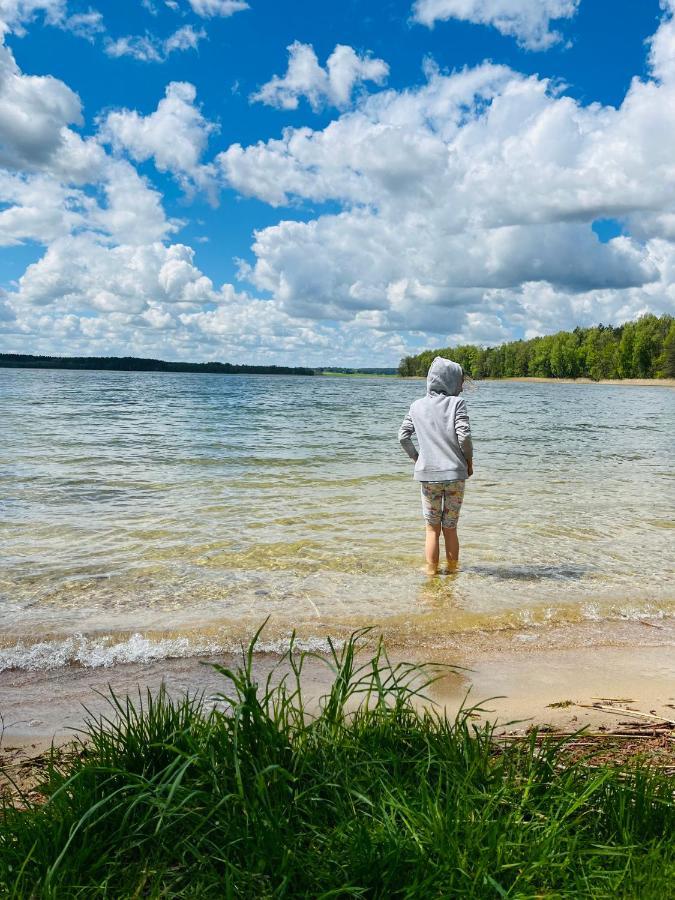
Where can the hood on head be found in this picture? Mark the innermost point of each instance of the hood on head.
(444, 377)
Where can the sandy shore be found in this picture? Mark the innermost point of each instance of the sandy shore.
(529, 670)
(621, 382)
(517, 679)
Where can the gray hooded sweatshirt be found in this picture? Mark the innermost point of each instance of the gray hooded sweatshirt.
(441, 422)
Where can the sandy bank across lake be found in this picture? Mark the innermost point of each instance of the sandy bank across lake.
(620, 382)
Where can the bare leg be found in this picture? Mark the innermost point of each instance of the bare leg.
(431, 548)
(451, 547)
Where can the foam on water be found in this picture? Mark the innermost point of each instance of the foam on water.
(107, 651)
(406, 634)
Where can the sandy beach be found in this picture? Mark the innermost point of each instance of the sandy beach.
(619, 382)
(608, 692)
(612, 693)
(566, 678)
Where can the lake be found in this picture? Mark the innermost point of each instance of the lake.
(147, 515)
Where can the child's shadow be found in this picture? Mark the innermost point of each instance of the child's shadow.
(528, 572)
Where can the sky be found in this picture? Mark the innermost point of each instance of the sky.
(335, 183)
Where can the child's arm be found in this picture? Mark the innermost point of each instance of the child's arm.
(463, 429)
(404, 435)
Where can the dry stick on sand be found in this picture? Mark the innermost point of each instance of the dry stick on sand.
(615, 699)
(632, 713)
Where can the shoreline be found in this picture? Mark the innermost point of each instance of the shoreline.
(540, 379)
(614, 681)
(621, 697)
(529, 670)
(618, 382)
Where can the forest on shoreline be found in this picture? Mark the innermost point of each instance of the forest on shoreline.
(641, 349)
(134, 364)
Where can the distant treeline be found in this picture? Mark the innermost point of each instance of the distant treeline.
(133, 364)
(641, 349)
(336, 370)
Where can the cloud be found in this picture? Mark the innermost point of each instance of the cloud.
(84, 296)
(662, 45)
(110, 280)
(460, 199)
(528, 21)
(37, 208)
(40, 207)
(393, 142)
(50, 170)
(86, 25)
(80, 272)
(211, 8)
(149, 48)
(14, 14)
(332, 85)
(131, 211)
(458, 210)
(34, 113)
(174, 136)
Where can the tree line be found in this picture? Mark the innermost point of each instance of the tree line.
(135, 364)
(641, 349)
(340, 370)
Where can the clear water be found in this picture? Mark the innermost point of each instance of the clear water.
(152, 515)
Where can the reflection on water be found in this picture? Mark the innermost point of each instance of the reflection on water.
(183, 509)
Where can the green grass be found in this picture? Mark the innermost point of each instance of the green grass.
(171, 798)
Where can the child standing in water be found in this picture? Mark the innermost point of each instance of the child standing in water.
(445, 458)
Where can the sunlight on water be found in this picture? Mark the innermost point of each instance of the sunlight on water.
(165, 514)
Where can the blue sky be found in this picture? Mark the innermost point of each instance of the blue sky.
(207, 179)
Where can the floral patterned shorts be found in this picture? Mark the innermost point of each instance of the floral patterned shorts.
(441, 502)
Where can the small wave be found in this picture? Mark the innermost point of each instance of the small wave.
(436, 626)
(107, 651)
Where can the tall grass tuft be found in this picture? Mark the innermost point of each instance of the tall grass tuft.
(373, 796)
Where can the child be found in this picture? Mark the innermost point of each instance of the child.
(445, 459)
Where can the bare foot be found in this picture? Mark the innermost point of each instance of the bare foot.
(452, 565)
(431, 570)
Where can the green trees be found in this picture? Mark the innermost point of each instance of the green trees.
(564, 356)
(135, 364)
(641, 349)
(668, 358)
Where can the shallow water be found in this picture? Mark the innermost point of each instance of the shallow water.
(152, 515)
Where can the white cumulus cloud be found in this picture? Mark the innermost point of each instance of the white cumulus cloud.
(529, 21)
(662, 45)
(462, 198)
(174, 136)
(80, 272)
(50, 170)
(34, 113)
(332, 85)
(459, 210)
(110, 280)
